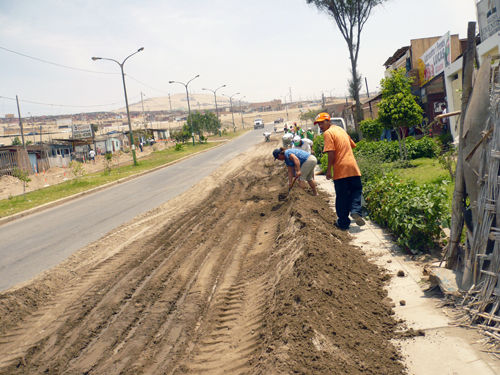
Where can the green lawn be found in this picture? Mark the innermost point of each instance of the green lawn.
(426, 170)
(86, 182)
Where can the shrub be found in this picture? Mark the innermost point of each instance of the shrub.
(318, 144)
(388, 151)
(372, 129)
(77, 169)
(353, 134)
(178, 147)
(371, 167)
(324, 163)
(414, 213)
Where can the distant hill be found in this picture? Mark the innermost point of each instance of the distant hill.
(179, 102)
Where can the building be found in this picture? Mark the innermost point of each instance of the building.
(425, 60)
(488, 44)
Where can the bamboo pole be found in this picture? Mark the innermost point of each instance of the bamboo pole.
(459, 194)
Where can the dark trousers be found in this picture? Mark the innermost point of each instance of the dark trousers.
(348, 199)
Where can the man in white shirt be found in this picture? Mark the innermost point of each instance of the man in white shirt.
(287, 140)
(302, 143)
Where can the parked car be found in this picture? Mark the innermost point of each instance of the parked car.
(258, 123)
(278, 120)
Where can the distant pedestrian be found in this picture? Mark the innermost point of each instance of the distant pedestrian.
(300, 166)
(302, 143)
(445, 120)
(140, 145)
(344, 170)
(287, 140)
(92, 155)
(310, 134)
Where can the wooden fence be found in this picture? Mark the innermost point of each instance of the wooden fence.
(11, 159)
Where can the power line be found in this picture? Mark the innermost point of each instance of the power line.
(55, 64)
(63, 105)
(145, 84)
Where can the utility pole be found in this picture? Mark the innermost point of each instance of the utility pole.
(241, 113)
(290, 91)
(323, 99)
(368, 95)
(20, 121)
(286, 108)
(143, 116)
(170, 102)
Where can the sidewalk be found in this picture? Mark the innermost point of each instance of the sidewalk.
(445, 349)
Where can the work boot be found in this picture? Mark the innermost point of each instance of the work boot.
(358, 219)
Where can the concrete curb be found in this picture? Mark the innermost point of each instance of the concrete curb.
(7, 219)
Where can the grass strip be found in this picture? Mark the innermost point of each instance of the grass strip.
(89, 181)
(425, 170)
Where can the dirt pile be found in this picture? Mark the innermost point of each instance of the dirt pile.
(224, 279)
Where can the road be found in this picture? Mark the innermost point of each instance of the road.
(38, 242)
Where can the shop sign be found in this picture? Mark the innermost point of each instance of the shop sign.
(488, 17)
(435, 59)
(81, 131)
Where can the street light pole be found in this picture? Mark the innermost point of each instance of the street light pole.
(189, 106)
(215, 97)
(132, 146)
(232, 113)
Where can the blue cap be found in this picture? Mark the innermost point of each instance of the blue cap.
(276, 153)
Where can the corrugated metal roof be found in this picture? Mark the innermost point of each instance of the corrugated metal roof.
(397, 55)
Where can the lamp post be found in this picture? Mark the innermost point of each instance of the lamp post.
(187, 95)
(232, 113)
(132, 146)
(215, 97)
(241, 112)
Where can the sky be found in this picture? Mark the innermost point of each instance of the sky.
(263, 49)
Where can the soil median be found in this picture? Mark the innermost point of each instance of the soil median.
(225, 279)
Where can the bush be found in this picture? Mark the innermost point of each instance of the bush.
(388, 151)
(414, 213)
(178, 147)
(317, 148)
(371, 167)
(353, 134)
(324, 163)
(372, 129)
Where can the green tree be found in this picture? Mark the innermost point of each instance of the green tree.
(350, 17)
(310, 115)
(202, 123)
(16, 142)
(398, 107)
(22, 176)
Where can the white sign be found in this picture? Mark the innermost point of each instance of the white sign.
(488, 17)
(81, 131)
(435, 59)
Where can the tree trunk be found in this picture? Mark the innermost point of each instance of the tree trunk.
(459, 194)
(401, 155)
(358, 116)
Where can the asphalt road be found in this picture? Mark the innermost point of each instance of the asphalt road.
(40, 241)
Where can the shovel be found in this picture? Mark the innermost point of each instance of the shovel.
(283, 196)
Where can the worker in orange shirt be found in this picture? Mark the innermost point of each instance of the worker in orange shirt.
(344, 170)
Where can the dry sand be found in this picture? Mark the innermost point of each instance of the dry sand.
(224, 279)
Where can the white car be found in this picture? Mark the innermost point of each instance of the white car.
(258, 123)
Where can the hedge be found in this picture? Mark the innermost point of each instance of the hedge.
(414, 213)
(388, 151)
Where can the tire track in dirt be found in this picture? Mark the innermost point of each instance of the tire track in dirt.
(238, 283)
(103, 303)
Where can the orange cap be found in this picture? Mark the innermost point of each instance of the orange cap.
(323, 116)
